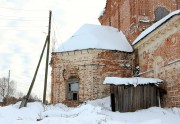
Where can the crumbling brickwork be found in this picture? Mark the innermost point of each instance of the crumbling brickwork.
(159, 57)
(134, 16)
(90, 66)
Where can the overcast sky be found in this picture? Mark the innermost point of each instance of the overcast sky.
(23, 29)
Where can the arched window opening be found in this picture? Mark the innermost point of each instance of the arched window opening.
(72, 89)
(160, 12)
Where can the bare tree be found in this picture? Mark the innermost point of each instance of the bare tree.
(5, 89)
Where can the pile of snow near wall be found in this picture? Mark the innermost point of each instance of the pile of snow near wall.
(93, 112)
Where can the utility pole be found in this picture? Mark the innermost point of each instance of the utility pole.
(8, 83)
(47, 42)
(4, 87)
(8, 87)
(47, 59)
(25, 98)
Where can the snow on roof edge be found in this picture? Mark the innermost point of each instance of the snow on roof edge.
(155, 26)
(91, 49)
(131, 81)
(91, 36)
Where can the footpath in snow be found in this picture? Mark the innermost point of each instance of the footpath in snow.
(91, 112)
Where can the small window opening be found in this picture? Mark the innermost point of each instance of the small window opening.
(160, 12)
(72, 89)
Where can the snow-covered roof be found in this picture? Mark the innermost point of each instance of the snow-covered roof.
(154, 26)
(131, 81)
(91, 36)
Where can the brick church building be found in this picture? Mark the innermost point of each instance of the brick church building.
(158, 52)
(151, 28)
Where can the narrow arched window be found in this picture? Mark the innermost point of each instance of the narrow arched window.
(160, 12)
(72, 89)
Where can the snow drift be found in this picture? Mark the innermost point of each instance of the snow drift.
(91, 112)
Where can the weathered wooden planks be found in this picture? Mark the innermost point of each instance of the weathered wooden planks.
(130, 98)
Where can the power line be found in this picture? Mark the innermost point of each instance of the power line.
(53, 40)
(22, 16)
(58, 33)
(19, 9)
(21, 26)
(16, 19)
(22, 29)
(55, 35)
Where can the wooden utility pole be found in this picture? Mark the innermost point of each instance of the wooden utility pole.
(4, 87)
(8, 87)
(47, 59)
(8, 83)
(25, 99)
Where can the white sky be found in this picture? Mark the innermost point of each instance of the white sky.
(22, 34)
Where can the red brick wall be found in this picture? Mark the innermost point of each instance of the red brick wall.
(90, 67)
(126, 15)
(159, 57)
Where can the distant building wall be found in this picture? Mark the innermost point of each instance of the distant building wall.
(90, 67)
(159, 57)
(134, 16)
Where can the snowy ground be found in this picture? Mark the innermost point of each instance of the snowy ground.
(93, 112)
